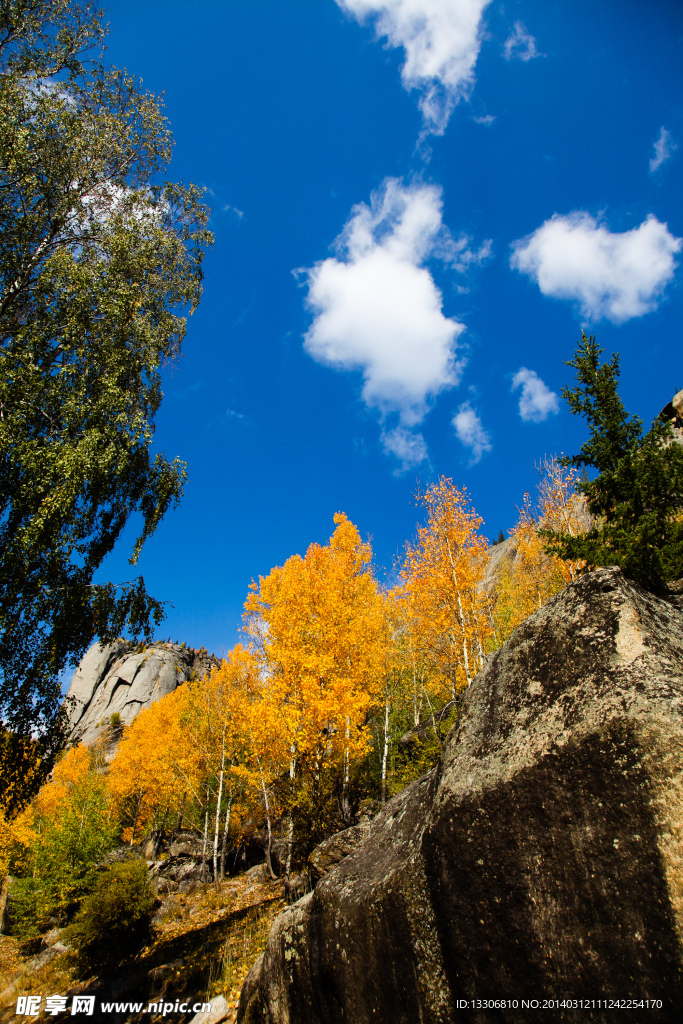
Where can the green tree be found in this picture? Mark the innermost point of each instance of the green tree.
(114, 920)
(637, 495)
(100, 259)
(54, 846)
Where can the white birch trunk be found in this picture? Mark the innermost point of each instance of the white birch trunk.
(266, 806)
(216, 881)
(206, 835)
(465, 654)
(290, 830)
(225, 836)
(385, 752)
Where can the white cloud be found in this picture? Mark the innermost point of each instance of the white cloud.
(613, 275)
(376, 307)
(485, 119)
(470, 432)
(441, 40)
(665, 147)
(536, 401)
(520, 45)
(408, 446)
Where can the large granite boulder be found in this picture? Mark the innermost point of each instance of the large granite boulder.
(542, 859)
(121, 678)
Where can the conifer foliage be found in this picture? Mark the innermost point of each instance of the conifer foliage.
(636, 498)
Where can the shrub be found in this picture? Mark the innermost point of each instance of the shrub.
(115, 720)
(115, 917)
(422, 755)
(27, 904)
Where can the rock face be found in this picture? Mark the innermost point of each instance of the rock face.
(542, 859)
(332, 851)
(122, 679)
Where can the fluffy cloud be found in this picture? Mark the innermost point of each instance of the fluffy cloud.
(408, 446)
(520, 45)
(441, 40)
(470, 432)
(664, 148)
(536, 401)
(612, 275)
(377, 309)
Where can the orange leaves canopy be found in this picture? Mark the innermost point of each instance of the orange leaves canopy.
(319, 628)
(442, 575)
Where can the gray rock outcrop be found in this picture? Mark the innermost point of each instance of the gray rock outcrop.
(542, 859)
(121, 679)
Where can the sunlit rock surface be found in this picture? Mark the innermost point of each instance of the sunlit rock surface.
(121, 679)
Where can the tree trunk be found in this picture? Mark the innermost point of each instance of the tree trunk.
(135, 819)
(416, 708)
(181, 812)
(290, 829)
(465, 654)
(225, 837)
(216, 880)
(482, 657)
(385, 752)
(206, 834)
(266, 807)
(346, 805)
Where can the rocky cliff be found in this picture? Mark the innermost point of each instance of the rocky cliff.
(543, 859)
(122, 678)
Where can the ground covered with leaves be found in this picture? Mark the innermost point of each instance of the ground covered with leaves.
(203, 945)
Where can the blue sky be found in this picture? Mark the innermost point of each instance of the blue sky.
(418, 205)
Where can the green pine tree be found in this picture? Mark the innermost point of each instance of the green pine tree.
(636, 498)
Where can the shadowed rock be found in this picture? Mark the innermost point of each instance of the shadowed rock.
(542, 859)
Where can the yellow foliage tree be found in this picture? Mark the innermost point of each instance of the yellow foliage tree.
(317, 623)
(16, 829)
(59, 838)
(206, 753)
(153, 771)
(532, 575)
(229, 723)
(443, 575)
(17, 836)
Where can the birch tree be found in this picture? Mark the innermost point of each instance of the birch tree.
(443, 574)
(100, 263)
(317, 623)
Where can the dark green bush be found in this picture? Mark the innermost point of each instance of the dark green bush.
(37, 903)
(422, 755)
(114, 921)
(27, 904)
